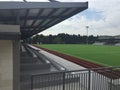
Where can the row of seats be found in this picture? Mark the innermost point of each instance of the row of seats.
(30, 65)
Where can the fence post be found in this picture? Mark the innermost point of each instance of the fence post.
(31, 82)
(63, 80)
(111, 79)
(89, 79)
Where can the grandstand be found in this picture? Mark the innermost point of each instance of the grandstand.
(99, 43)
(108, 40)
(25, 67)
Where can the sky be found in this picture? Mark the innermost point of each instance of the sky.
(102, 17)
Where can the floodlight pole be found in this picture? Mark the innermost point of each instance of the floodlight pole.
(87, 27)
(53, 1)
(24, 0)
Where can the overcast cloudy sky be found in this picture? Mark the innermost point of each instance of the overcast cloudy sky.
(102, 17)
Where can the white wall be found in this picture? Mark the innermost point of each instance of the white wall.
(6, 65)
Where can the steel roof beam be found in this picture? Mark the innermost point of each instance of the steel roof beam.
(38, 17)
(26, 15)
(74, 12)
(51, 21)
(50, 14)
(52, 24)
(14, 14)
(29, 18)
(65, 11)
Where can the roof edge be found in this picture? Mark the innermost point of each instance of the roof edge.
(27, 5)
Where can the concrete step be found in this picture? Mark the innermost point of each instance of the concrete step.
(29, 60)
(35, 66)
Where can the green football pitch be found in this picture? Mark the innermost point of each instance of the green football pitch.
(104, 55)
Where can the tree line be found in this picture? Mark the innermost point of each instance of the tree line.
(61, 39)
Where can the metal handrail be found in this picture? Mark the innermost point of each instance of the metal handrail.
(92, 69)
(85, 79)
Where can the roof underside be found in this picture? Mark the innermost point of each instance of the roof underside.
(34, 17)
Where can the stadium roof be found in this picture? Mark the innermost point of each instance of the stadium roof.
(34, 17)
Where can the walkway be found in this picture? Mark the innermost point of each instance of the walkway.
(65, 63)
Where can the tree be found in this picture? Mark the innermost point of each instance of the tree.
(62, 38)
(57, 40)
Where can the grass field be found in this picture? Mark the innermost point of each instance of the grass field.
(104, 55)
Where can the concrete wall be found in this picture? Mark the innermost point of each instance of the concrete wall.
(9, 28)
(9, 58)
(6, 65)
(16, 65)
